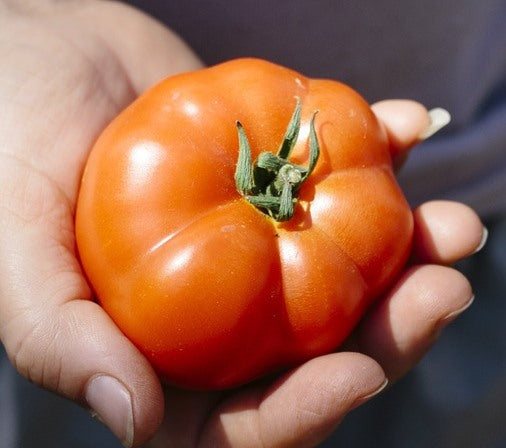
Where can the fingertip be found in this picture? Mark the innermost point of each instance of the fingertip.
(404, 122)
(446, 231)
(365, 398)
(349, 374)
(483, 241)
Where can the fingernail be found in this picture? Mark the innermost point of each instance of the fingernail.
(438, 119)
(450, 317)
(111, 403)
(360, 401)
(483, 241)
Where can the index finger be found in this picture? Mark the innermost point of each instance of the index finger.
(408, 122)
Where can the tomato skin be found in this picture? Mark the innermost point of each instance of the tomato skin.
(214, 292)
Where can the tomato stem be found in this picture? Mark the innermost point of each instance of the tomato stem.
(272, 183)
(243, 173)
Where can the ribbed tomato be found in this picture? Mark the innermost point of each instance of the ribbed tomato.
(221, 274)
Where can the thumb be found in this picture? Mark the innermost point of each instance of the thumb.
(53, 333)
(407, 123)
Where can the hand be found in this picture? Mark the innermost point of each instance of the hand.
(66, 73)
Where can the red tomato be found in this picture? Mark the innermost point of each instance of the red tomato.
(213, 290)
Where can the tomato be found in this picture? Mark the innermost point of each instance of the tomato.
(215, 287)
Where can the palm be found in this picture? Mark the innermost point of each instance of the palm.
(61, 102)
(70, 86)
(67, 75)
(74, 100)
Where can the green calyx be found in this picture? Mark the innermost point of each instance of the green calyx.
(272, 183)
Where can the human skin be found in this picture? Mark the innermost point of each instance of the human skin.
(65, 73)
